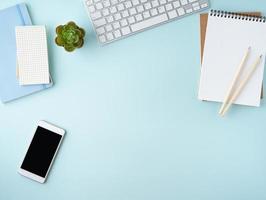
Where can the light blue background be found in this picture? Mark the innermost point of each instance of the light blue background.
(135, 129)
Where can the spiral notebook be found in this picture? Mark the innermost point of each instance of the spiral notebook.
(228, 36)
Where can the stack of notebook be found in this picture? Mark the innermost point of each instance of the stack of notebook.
(224, 39)
(12, 86)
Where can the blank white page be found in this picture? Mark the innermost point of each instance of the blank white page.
(32, 55)
(227, 40)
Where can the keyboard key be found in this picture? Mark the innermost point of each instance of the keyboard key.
(147, 6)
(99, 6)
(109, 36)
(89, 2)
(100, 30)
(99, 22)
(183, 2)
(113, 10)
(131, 20)
(117, 34)
(105, 12)
(204, 5)
(116, 25)
(149, 22)
(128, 4)
(120, 7)
(143, 1)
(195, 4)
(161, 9)
(155, 3)
(125, 30)
(110, 19)
(176, 4)
(146, 14)
(135, 2)
(123, 22)
(95, 15)
(114, 2)
(188, 6)
(106, 3)
(132, 11)
(91, 9)
(154, 12)
(196, 8)
(125, 14)
(189, 10)
(138, 17)
(172, 14)
(117, 16)
(108, 28)
(169, 7)
(162, 2)
(180, 11)
(140, 8)
(102, 38)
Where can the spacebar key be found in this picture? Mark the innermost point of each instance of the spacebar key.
(149, 22)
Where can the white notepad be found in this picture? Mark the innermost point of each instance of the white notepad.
(32, 55)
(228, 37)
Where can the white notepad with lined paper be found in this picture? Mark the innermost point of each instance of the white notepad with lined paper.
(32, 55)
(228, 36)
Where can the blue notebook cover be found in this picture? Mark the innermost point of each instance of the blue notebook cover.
(9, 85)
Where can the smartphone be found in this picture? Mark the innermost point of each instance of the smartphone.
(41, 151)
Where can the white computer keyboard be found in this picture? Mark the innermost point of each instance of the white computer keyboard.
(116, 19)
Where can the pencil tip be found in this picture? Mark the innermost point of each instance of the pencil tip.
(249, 48)
(261, 56)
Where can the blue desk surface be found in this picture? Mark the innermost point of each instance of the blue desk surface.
(135, 129)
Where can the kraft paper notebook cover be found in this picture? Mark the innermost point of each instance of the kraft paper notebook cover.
(9, 85)
(228, 36)
(203, 27)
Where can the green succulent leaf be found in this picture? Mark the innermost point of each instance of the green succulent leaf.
(59, 29)
(59, 41)
(80, 43)
(72, 24)
(82, 32)
(79, 32)
(69, 48)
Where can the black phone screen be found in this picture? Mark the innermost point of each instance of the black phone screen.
(41, 151)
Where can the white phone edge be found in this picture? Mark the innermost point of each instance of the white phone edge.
(52, 128)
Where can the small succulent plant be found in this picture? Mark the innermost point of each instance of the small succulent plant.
(70, 36)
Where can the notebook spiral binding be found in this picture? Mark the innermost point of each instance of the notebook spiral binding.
(232, 15)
